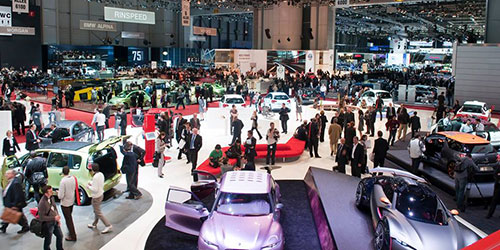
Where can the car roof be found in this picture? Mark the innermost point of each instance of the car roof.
(246, 182)
(233, 96)
(378, 91)
(69, 145)
(477, 103)
(277, 93)
(64, 123)
(464, 138)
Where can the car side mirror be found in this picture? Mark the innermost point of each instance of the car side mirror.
(198, 207)
(385, 201)
(454, 212)
(279, 206)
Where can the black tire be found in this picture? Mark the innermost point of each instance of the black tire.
(382, 239)
(360, 200)
(450, 168)
(84, 198)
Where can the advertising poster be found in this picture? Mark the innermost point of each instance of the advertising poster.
(5, 18)
(292, 60)
(20, 6)
(186, 13)
(310, 62)
(250, 60)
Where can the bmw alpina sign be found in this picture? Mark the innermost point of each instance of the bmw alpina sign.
(98, 26)
(128, 15)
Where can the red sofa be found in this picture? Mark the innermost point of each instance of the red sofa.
(292, 149)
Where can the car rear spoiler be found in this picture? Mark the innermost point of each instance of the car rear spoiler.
(396, 172)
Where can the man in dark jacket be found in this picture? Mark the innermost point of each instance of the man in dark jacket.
(193, 146)
(390, 112)
(323, 121)
(13, 197)
(32, 140)
(342, 156)
(55, 133)
(36, 173)
(179, 126)
(380, 150)
(47, 210)
(414, 124)
(379, 106)
(348, 117)
(237, 126)
(313, 136)
(392, 126)
(357, 157)
(284, 118)
(107, 112)
(463, 169)
(349, 134)
(130, 168)
(20, 116)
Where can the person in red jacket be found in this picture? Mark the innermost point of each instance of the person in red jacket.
(392, 126)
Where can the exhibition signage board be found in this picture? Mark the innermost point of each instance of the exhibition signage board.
(281, 72)
(202, 31)
(186, 13)
(342, 3)
(5, 18)
(133, 35)
(20, 6)
(97, 26)
(128, 15)
(29, 31)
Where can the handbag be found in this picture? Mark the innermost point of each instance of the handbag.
(156, 159)
(38, 178)
(36, 227)
(11, 215)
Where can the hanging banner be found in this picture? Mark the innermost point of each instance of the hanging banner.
(5, 19)
(28, 31)
(97, 25)
(204, 31)
(186, 13)
(128, 15)
(280, 72)
(133, 35)
(20, 6)
(310, 62)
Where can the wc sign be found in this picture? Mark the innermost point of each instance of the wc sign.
(5, 18)
(20, 6)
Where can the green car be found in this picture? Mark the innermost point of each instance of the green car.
(78, 156)
(219, 91)
(125, 98)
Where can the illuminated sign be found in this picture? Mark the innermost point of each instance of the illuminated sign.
(128, 15)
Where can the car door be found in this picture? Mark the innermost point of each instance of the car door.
(87, 133)
(10, 162)
(184, 211)
(433, 147)
(267, 99)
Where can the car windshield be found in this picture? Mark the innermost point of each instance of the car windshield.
(280, 97)
(479, 148)
(45, 132)
(123, 94)
(421, 204)
(491, 128)
(471, 109)
(384, 95)
(243, 204)
(234, 101)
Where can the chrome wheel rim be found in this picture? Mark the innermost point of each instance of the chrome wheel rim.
(379, 237)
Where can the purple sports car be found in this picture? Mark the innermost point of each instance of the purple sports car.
(245, 214)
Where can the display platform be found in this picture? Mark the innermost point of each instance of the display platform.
(119, 211)
(349, 227)
(297, 222)
(399, 155)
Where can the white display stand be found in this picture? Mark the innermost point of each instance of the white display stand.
(402, 93)
(411, 94)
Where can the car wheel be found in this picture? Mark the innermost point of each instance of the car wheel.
(382, 239)
(359, 196)
(84, 198)
(451, 169)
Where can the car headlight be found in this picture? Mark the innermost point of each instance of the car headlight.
(403, 243)
(209, 243)
(271, 246)
(485, 169)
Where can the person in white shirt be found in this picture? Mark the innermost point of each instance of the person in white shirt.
(99, 120)
(447, 121)
(96, 187)
(479, 126)
(66, 193)
(416, 148)
(466, 127)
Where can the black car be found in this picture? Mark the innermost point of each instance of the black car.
(68, 131)
(446, 149)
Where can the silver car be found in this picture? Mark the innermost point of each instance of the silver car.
(68, 131)
(407, 214)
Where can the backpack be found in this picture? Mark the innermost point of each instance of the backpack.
(36, 227)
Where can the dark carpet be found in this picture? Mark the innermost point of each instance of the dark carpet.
(296, 219)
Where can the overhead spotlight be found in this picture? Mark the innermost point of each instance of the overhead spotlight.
(146, 42)
(279, 41)
(288, 39)
(268, 33)
(171, 35)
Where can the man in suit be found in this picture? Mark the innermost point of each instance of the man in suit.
(390, 112)
(13, 197)
(349, 134)
(193, 145)
(179, 131)
(32, 140)
(380, 150)
(313, 133)
(342, 155)
(334, 132)
(357, 155)
(414, 124)
(348, 117)
(195, 122)
(130, 168)
(237, 127)
(55, 133)
(10, 145)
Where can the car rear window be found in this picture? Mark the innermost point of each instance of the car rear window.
(281, 97)
(44, 132)
(479, 148)
(234, 101)
(384, 95)
(471, 109)
(421, 204)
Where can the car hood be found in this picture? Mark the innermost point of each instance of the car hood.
(238, 232)
(422, 235)
(495, 137)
